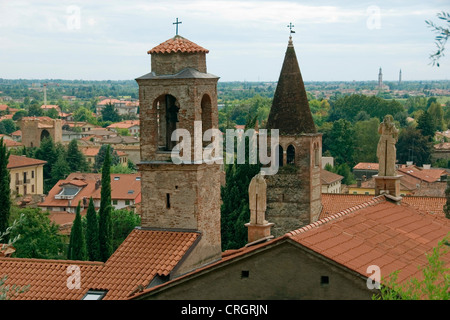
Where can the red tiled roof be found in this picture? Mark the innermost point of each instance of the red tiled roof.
(393, 237)
(328, 177)
(143, 254)
(21, 161)
(124, 124)
(124, 186)
(333, 203)
(428, 175)
(47, 278)
(177, 44)
(366, 166)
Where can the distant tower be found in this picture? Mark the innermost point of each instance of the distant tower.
(294, 193)
(380, 79)
(400, 77)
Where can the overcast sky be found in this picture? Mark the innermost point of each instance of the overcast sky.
(334, 40)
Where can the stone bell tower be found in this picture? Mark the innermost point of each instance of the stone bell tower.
(294, 193)
(180, 197)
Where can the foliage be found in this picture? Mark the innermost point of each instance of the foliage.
(235, 208)
(123, 222)
(441, 37)
(340, 141)
(92, 235)
(5, 200)
(9, 126)
(101, 155)
(60, 169)
(434, 285)
(75, 158)
(366, 136)
(349, 107)
(413, 146)
(109, 113)
(77, 244)
(83, 114)
(447, 202)
(105, 223)
(39, 237)
(426, 125)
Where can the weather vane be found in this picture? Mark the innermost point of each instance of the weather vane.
(290, 26)
(177, 23)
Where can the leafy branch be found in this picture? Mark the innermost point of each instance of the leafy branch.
(441, 37)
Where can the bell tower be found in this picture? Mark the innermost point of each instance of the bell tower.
(294, 193)
(178, 93)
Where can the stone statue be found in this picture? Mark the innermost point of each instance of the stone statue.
(386, 151)
(257, 199)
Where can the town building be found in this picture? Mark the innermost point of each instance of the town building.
(331, 182)
(34, 129)
(131, 125)
(27, 175)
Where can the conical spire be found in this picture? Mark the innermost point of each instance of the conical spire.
(290, 112)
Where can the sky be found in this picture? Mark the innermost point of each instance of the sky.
(334, 40)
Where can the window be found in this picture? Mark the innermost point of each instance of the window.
(245, 274)
(32, 188)
(94, 295)
(127, 202)
(324, 281)
(114, 202)
(116, 178)
(168, 200)
(290, 154)
(32, 174)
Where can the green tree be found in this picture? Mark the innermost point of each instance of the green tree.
(413, 146)
(47, 152)
(19, 115)
(366, 137)
(5, 192)
(109, 113)
(39, 236)
(77, 244)
(426, 125)
(235, 208)
(83, 114)
(436, 113)
(105, 222)
(92, 235)
(52, 113)
(76, 160)
(447, 202)
(9, 125)
(60, 169)
(434, 284)
(340, 141)
(123, 222)
(101, 155)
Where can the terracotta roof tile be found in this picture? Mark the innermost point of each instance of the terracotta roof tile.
(21, 161)
(394, 237)
(366, 166)
(177, 44)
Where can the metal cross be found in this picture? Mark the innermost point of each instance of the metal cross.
(290, 26)
(177, 23)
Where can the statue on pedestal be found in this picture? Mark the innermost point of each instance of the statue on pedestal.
(386, 151)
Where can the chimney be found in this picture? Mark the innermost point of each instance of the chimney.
(358, 183)
(97, 184)
(258, 227)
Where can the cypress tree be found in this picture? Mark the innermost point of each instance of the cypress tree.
(5, 200)
(447, 203)
(77, 245)
(105, 223)
(92, 236)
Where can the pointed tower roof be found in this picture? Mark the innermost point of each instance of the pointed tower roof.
(290, 112)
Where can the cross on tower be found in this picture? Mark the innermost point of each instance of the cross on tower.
(177, 23)
(290, 26)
